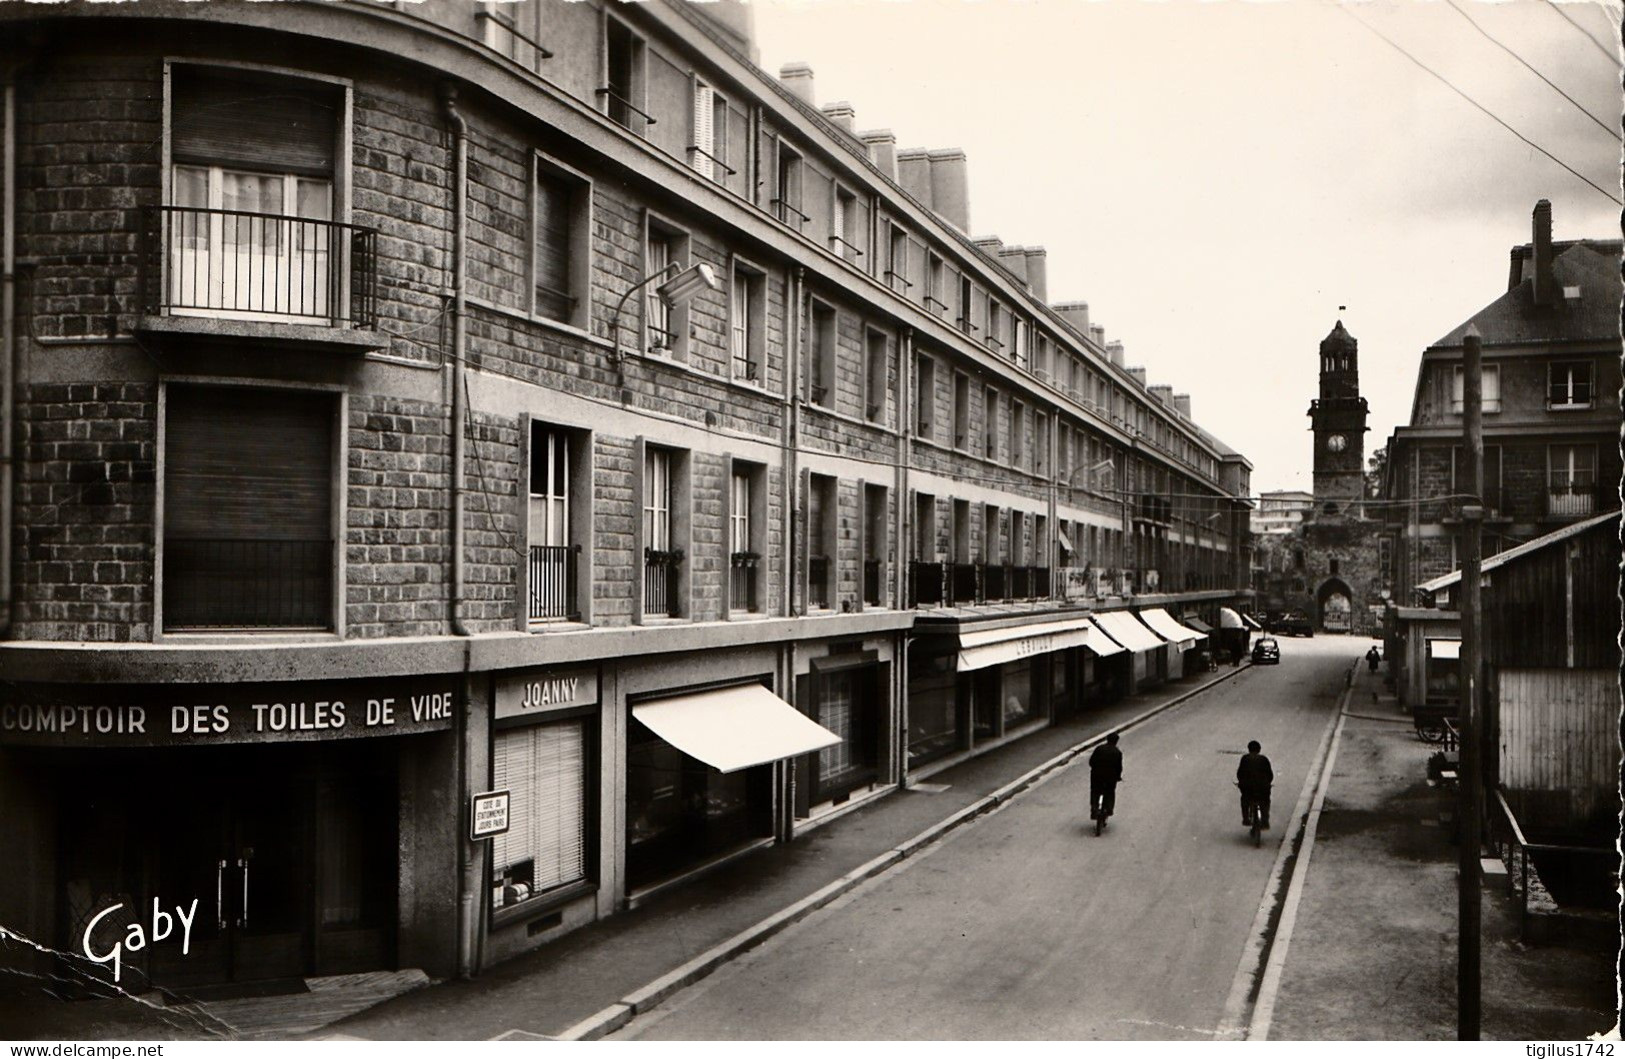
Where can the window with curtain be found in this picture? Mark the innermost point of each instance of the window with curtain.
(543, 767)
(657, 499)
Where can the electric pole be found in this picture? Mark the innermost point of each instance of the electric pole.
(1470, 811)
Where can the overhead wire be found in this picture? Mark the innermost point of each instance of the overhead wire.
(1486, 111)
(1613, 56)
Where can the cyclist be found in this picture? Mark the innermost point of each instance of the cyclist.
(1105, 772)
(1254, 776)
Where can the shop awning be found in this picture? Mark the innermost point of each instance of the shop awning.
(1102, 644)
(1444, 649)
(990, 647)
(1066, 542)
(1252, 623)
(734, 728)
(1229, 619)
(1197, 623)
(1126, 629)
(1163, 624)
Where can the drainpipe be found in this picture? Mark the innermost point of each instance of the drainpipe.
(8, 357)
(458, 375)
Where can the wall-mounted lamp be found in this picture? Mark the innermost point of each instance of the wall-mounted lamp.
(674, 292)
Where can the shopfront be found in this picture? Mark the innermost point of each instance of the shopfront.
(1183, 642)
(1147, 650)
(269, 816)
(848, 693)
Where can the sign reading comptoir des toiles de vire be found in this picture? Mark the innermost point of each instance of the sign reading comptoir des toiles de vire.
(198, 714)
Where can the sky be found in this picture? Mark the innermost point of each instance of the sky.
(1222, 181)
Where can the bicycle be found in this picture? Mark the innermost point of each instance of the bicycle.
(1252, 811)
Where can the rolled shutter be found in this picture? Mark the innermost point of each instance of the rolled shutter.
(261, 122)
(554, 206)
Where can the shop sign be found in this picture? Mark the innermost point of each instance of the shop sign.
(537, 691)
(489, 815)
(1077, 582)
(199, 714)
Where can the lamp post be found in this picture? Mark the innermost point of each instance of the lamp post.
(674, 292)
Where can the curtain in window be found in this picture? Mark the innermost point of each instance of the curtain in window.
(543, 768)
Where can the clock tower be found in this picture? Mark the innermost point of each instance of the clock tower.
(1338, 420)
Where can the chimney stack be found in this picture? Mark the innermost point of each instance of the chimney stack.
(950, 187)
(840, 114)
(1544, 287)
(1076, 314)
(914, 173)
(1137, 373)
(798, 78)
(1014, 259)
(1038, 274)
(1097, 335)
(1182, 404)
(1114, 349)
(882, 150)
(1163, 392)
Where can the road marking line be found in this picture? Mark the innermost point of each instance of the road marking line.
(1264, 1010)
(1234, 1026)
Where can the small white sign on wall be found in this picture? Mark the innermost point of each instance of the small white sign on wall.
(489, 817)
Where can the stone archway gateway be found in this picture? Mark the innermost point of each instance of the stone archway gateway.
(1334, 602)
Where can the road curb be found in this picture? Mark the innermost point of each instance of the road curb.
(617, 1015)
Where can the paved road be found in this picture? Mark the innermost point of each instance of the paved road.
(1025, 925)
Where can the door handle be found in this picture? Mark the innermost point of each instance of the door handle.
(242, 915)
(220, 896)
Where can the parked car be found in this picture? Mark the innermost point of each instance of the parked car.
(1266, 652)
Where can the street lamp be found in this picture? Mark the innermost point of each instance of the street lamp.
(1109, 461)
(674, 292)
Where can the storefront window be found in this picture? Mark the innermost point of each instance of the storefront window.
(846, 705)
(933, 705)
(1017, 693)
(543, 767)
(988, 708)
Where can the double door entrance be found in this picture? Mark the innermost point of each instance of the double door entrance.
(287, 851)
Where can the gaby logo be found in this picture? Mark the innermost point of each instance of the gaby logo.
(136, 939)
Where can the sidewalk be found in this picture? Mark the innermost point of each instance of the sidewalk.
(544, 994)
(1373, 953)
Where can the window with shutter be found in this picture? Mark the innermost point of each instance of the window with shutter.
(704, 128)
(543, 767)
(248, 523)
(555, 222)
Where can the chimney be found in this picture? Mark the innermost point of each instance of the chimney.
(1117, 353)
(950, 187)
(1097, 334)
(914, 173)
(1038, 274)
(841, 114)
(1163, 392)
(1544, 287)
(1014, 259)
(882, 150)
(1114, 349)
(1076, 314)
(798, 78)
(1182, 404)
(1515, 274)
(990, 246)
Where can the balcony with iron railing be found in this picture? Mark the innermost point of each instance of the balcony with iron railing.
(819, 591)
(966, 581)
(872, 582)
(553, 582)
(925, 583)
(247, 584)
(742, 580)
(199, 267)
(660, 582)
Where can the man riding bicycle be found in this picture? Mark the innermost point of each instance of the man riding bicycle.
(1105, 772)
(1254, 776)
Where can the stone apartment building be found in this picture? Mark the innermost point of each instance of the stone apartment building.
(410, 403)
(1551, 414)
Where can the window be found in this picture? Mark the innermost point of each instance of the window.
(662, 551)
(822, 518)
(543, 767)
(925, 400)
(786, 204)
(745, 546)
(709, 152)
(232, 455)
(964, 321)
(666, 326)
(1017, 416)
(878, 376)
(1568, 385)
(934, 291)
(515, 30)
(990, 534)
(995, 325)
(961, 410)
(844, 233)
(552, 557)
(561, 228)
(874, 545)
(990, 424)
(1041, 442)
(1491, 387)
(1572, 489)
(623, 90)
(925, 527)
(897, 262)
(250, 219)
(823, 361)
(961, 531)
(747, 325)
(1492, 475)
(1064, 461)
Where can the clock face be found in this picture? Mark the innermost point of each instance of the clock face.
(1336, 442)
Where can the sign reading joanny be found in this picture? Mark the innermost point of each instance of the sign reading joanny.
(543, 691)
(197, 714)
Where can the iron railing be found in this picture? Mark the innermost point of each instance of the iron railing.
(742, 580)
(234, 584)
(660, 594)
(872, 582)
(995, 581)
(232, 262)
(925, 583)
(818, 587)
(553, 582)
(1505, 830)
(967, 582)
